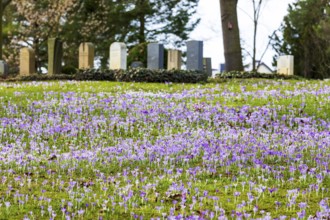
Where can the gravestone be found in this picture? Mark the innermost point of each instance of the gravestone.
(207, 66)
(4, 69)
(155, 56)
(118, 56)
(27, 62)
(55, 52)
(195, 55)
(285, 65)
(137, 64)
(174, 59)
(222, 67)
(86, 55)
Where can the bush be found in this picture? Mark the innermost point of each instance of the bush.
(69, 70)
(96, 74)
(130, 75)
(251, 74)
(41, 77)
(160, 76)
(138, 53)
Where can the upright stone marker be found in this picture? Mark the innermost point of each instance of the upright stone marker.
(285, 65)
(174, 59)
(207, 66)
(195, 55)
(55, 52)
(118, 56)
(4, 69)
(155, 56)
(27, 62)
(86, 55)
(137, 64)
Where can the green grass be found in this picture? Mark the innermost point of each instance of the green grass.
(102, 180)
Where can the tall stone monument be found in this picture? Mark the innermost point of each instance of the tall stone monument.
(155, 56)
(285, 65)
(27, 62)
(195, 55)
(174, 59)
(207, 66)
(86, 55)
(55, 53)
(118, 56)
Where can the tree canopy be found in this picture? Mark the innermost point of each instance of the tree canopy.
(102, 22)
(305, 34)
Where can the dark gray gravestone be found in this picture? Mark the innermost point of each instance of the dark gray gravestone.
(207, 65)
(137, 64)
(4, 69)
(222, 67)
(155, 56)
(55, 52)
(195, 55)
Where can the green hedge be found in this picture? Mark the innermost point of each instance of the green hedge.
(40, 77)
(251, 74)
(130, 75)
(142, 75)
(96, 74)
(161, 76)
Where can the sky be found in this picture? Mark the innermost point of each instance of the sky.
(209, 29)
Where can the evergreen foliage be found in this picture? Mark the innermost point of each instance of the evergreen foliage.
(305, 35)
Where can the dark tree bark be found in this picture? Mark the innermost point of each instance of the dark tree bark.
(3, 5)
(230, 32)
(256, 14)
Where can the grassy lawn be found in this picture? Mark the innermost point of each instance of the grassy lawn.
(107, 150)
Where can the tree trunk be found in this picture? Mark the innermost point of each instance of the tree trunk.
(1, 38)
(142, 6)
(230, 32)
(254, 46)
(3, 5)
(142, 38)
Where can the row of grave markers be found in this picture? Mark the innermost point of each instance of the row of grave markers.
(118, 57)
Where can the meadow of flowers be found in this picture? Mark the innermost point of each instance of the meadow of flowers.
(249, 149)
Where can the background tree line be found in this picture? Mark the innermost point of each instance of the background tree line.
(305, 31)
(31, 23)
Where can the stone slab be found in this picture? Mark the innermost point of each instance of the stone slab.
(155, 56)
(207, 65)
(174, 59)
(195, 55)
(86, 55)
(4, 69)
(285, 65)
(27, 62)
(137, 64)
(118, 56)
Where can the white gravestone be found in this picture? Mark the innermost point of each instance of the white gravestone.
(118, 56)
(285, 65)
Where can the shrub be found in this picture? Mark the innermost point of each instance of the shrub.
(161, 76)
(130, 75)
(95, 74)
(42, 77)
(69, 70)
(251, 74)
(138, 53)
